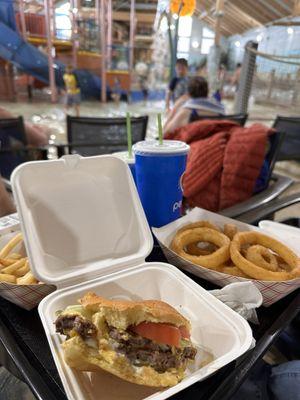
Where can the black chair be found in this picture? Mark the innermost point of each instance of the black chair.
(241, 119)
(267, 211)
(290, 149)
(94, 136)
(12, 145)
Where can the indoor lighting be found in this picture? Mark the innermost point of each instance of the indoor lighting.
(290, 30)
(175, 16)
(195, 44)
(75, 10)
(237, 43)
(172, 27)
(259, 38)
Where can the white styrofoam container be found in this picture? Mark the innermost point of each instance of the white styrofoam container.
(287, 233)
(271, 291)
(85, 230)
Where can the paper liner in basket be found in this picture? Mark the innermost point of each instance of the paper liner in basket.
(270, 290)
(25, 296)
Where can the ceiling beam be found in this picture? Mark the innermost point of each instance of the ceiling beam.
(296, 10)
(252, 11)
(283, 4)
(224, 28)
(251, 20)
(245, 22)
(238, 27)
(271, 8)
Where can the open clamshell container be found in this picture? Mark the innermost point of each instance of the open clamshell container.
(85, 230)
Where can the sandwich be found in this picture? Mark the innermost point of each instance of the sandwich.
(144, 342)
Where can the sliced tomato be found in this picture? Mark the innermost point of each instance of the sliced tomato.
(185, 334)
(160, 333)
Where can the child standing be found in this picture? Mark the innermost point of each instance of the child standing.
(73, 97)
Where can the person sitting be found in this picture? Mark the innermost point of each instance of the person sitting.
(191, 106)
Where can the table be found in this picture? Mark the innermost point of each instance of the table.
(25, 352)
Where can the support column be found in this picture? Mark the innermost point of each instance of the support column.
(103, 50)
(100, 21)
(109, 32)
(246, 79)
(271, 84)
(22, 19)
(219, 15)
(296, 88)
(131, 39)
(50, 50)
(74, 5)
(52, 18)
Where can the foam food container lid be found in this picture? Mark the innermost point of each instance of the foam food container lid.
(81, 218)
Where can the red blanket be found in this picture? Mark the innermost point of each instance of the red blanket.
(224, 161)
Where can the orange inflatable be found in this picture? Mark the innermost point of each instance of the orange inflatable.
(183, 8)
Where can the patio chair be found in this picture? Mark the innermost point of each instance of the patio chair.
(290, 149)
(14, 149)
(94, 136)
(12, 145)
(267, 211)
(241, 119)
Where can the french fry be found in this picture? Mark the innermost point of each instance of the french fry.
(15, 256)
(10, 245)
(7, 278)
(14, 267)
(23, 270)
(6, 262)
(27, 279)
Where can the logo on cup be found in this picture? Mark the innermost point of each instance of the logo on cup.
(181, 182)
(177, 205)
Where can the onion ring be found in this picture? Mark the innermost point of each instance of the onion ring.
(256, 272)
(262, 257)
(199, 224)
(195, 250)
(230, 230)
(211, 261)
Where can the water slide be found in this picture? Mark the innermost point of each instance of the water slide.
(28, 58)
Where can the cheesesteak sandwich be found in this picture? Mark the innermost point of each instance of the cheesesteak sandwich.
(144, 342)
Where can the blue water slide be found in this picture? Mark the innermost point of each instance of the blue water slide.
(7, 13)
(32, 61)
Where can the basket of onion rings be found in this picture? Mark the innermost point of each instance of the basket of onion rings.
(222, 251)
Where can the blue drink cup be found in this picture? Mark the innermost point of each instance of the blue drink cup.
(123, 155)
(159, 169)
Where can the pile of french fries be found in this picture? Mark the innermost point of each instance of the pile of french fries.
(15, 268)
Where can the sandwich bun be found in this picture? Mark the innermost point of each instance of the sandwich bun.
(120, 314)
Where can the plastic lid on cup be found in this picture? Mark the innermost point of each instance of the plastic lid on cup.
(170, 147)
